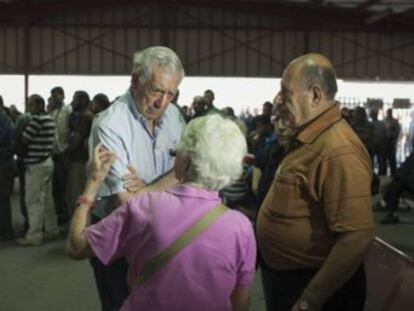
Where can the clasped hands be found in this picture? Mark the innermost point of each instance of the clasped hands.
(101, 164)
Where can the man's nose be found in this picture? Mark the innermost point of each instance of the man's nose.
(161, 101)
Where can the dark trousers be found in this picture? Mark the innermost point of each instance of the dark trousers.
(111, 282)
(6, 185)
(390, 158)
(379, 156)
(59, 187)
(402, 181)
(283, 288)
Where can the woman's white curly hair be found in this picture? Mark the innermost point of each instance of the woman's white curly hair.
(216, 147)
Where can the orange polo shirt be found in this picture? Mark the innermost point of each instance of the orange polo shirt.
(322, 187)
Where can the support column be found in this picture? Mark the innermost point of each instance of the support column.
(27, 57)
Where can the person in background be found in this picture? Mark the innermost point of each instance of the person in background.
(267, 109)
(187, 113)
(347, 114)
(141, 127)
(402, 181)
(216, 269)
(77, 151)
(379, 141)
(363, 128)
(6, 173)
(99, 103)
(248, 119)
(229, 113)
(269, 160)
(20, 150)
(392, 133)
(39, 135)
(209, 97)
(409, 143)
(5, 110)
(61, 115)
(15, 113)
(174, 101)
(315, 225)
(265, 135)
(199, 106)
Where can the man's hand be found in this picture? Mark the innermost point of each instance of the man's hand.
(345, 257)
(309, 307)
(101, 164)
(131, 182)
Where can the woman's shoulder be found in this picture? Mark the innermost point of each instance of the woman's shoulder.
(149, 201)
(239, 222)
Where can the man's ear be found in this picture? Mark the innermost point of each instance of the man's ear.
(315, 94)
(135, 83)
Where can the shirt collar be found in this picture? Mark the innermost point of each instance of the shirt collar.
(138, 115)
(195, 192)
(318, 125)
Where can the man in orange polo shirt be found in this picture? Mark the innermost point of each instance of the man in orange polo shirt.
(315, 225)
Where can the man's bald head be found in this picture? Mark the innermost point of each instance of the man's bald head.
(308, 88)
(315, 69)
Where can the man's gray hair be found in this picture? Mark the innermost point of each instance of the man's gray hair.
(322, 75)
(145, 61)
(216, 147)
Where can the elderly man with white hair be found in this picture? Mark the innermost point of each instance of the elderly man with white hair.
(140, 128)
(186, 250)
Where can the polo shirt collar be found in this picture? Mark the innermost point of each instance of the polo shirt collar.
(317, 126)
(194, 192)
(138, 115)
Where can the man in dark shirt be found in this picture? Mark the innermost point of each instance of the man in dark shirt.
(77, 151)
(209, 97)
(6, 176)
(392, 133)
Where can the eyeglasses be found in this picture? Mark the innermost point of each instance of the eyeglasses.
(157, 92)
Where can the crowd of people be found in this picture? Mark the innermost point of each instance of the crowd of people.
(142, 182)
(46, 148)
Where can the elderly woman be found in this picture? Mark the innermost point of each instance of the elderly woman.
(214, 269)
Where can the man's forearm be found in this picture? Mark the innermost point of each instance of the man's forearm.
(345, 257)
(163, 183)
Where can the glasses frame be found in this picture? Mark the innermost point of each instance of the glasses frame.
(157, 92)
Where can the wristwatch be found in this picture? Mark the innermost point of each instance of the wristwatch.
(304, 305)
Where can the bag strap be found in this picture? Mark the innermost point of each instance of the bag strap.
(156, 263)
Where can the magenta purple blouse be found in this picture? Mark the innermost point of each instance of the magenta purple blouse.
(200, 277)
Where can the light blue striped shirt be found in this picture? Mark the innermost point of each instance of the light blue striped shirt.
(122, 129)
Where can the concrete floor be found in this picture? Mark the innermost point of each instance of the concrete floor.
(43, 278)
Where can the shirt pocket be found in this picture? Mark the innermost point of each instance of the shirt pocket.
(163, 156)
(289, 197)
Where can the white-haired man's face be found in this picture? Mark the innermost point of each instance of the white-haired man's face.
(154, 96)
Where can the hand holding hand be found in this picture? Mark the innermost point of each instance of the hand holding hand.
(131, 182)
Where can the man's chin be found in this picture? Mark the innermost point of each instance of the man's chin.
(152, 116)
